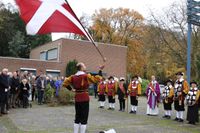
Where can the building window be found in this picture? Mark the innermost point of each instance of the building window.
(30, 70)
(52, 54)
(43, 55)
(53, 73)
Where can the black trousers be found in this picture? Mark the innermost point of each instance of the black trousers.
(178, 107)
(102, 98)
(122, 104)
(134, 101)
(111, 99)
(167, 106)
(2, 101)
(82, 112)
(193, 114)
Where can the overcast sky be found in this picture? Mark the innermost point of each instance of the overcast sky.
(81, 7)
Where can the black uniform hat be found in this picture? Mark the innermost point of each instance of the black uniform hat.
(180, 73)
(111, 77)
(169, 80)
(136, 76)
(193, 82)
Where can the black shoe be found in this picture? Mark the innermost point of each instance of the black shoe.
(123, 110)
(131, 112)
(168, 117)
(120, 110)
(165, 116)
(109, 108)
(100, 107)
(134, 112)
(192, 123)
(112, 108)
(180, 120)
(176, 119)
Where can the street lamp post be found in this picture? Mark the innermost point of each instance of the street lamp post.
(193, 13)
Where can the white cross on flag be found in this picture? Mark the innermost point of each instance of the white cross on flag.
(46, 16)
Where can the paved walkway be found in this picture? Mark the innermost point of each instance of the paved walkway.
(43, 119)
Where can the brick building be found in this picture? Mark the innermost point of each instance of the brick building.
(52, 58)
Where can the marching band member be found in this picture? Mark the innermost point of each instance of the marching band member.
(80, 82)
(167, 96)
(180, 91)
(192, 102)
(134, 90)
(111, 89)
(102, 92)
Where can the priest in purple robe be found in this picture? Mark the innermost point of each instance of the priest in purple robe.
(153, 97)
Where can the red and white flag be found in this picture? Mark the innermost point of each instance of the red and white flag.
(46, 16)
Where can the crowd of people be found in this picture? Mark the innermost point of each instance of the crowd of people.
(20, 89)
(179, 92)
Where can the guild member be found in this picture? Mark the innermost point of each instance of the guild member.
(167, 95)
(102, 92)
(111, 91)
(121, 91)
(80, 83)
(134, 90)
(153, 97)
(180, 91)
(192, 102)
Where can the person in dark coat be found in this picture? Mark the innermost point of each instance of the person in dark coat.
(24, 87)
(192, 99)
(14, 83)
(4, 86)
(121, 91)
(41, 85)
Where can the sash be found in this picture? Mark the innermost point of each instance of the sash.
(122, 88)
(151, 87)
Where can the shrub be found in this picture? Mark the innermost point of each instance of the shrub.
(144, 85)
(65, 96)
(71, 68)
(49, 94)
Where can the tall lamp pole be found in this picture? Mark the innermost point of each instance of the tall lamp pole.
(193, 17)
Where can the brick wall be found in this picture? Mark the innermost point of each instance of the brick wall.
(14, 64)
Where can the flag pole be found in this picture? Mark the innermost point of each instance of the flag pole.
(91, 39)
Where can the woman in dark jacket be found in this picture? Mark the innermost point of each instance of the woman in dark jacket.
(24, 88)
(122, 94)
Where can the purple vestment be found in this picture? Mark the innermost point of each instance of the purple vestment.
(153, 96)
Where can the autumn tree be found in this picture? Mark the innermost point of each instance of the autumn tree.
(167, 40)
(121, 26)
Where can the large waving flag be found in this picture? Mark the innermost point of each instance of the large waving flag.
(46, 16)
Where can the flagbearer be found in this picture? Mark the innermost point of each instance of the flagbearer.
(192, 99)
(121, 91)
(111, 89)
(167, 96)
(181, 89)
(80, 83)
(134, 90)
(102, 92)
(153, 97)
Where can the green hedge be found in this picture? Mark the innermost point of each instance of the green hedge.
(144, 85)
(65, 96)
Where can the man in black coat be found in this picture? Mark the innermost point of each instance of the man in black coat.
(4, 86)
(14, 83)
(41, 85)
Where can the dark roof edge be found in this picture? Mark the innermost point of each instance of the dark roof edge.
(1, 57)
(61, 39)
